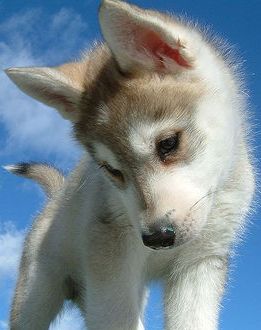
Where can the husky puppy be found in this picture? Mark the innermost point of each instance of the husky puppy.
(165, 194)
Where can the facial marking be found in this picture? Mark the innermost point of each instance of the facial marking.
(104, 154)
(142, 137)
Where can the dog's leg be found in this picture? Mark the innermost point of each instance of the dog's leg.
(38, 298)
(192, 297)
(114, 305)
(114, 279)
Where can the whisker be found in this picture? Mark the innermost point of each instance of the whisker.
(81, 185)
(200, 200)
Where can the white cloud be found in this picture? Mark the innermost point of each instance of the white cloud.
(29, 125)
(11, 241)
(3, 325)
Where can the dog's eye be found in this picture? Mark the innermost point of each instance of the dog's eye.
(117, 174)
(167, 146)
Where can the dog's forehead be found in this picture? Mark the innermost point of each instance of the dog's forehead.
(149, 99)
(145, 109)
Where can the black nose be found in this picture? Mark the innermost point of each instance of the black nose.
(159, 237)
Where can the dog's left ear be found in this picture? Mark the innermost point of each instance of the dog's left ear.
(53, 86)
(141, 39)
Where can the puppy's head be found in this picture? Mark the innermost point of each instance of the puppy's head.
(151, 106)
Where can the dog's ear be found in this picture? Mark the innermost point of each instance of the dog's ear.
(141, 39)
(50, 86)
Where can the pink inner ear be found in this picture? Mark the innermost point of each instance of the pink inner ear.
(62, 100)
(150, 41)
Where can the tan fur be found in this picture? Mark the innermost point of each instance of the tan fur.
(50, 179)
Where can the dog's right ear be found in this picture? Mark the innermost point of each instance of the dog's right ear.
(143, 40)
(50, 86)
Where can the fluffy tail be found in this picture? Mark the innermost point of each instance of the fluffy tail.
(50, 179)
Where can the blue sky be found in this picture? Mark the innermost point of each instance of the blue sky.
(50, 32)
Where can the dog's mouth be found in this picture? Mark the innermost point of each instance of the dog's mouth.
(160, 238)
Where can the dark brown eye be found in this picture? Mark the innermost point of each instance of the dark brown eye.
(117, 174)
(168, 146)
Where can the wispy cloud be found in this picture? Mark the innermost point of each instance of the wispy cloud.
(29, 125)
(29, 129)
(11, 241)
(3, 325)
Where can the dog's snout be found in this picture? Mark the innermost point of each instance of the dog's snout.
(159, 236)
